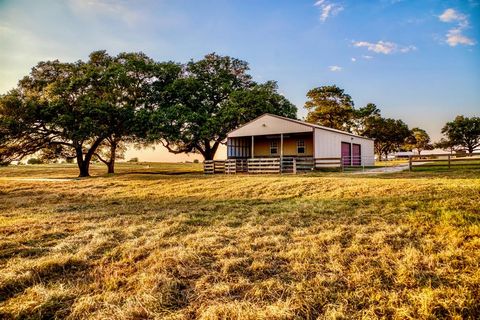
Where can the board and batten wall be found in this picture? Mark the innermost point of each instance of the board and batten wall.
(328, 145)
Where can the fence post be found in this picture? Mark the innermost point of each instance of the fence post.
(294, 164)
(448, 161)
(410, 163)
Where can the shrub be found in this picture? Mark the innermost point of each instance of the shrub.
(196, 161)
(34, 161)
(133, 160)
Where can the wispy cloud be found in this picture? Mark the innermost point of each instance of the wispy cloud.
(384, 47)
(455, 35)
(353, 59)
(407, 49)
(451, 15)
(335, 68)
(327, 9)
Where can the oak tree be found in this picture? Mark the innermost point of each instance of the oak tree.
(211, 97)
(463, 132)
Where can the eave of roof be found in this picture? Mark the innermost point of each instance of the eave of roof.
(302, 123)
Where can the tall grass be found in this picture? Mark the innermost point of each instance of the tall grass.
(183, 246)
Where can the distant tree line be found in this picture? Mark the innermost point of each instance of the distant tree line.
(91, 109)
(330, 106)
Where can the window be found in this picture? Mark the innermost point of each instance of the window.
(238, 147)
(274, 147)
(300, 146)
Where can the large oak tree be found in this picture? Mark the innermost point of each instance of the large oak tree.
(330, 106)
(212, 97)
(73, 109)
(389, 134)
(463, 132)
(55, 105)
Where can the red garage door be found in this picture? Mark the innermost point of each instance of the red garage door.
(357, 154)
(346, 154)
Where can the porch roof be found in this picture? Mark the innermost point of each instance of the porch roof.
(268, 124)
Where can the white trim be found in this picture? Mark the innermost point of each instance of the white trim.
(311, 125)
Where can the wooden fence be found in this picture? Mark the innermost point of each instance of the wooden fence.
(324, 163)
(213, 166)
(263, 165)
(270, 165)
(444, 160)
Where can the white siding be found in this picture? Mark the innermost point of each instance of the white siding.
(268, 124)
(328, 144)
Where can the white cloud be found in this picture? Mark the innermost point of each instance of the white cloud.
(335, 68)
(455, 35)
(379, 47)
(408, 49)
(367, 57)
(384, 47)
(451, 15)
(353, 59)
(327, 9)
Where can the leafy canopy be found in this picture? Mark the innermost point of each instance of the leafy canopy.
(330, 106)
(211, 97)
(463, 132)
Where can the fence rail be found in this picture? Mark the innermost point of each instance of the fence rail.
(270, 165)
(322, 163)
(263, 165)
(213, 166)
(444, 160)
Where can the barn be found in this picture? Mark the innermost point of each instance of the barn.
(275, 138)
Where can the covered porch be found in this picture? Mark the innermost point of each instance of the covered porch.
(273, 153)
(292, 145)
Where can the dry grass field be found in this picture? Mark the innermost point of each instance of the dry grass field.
(166, 242)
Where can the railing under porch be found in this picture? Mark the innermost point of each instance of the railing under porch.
(270, 165)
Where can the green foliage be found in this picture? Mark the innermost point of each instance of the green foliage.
(419, 140)
(211, 97)
(57, 104)
(69, 110)
(330, 106)
(462, 133)
(389, 134)
(34, 161)
(362, 116)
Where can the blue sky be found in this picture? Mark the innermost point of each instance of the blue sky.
(417, 60)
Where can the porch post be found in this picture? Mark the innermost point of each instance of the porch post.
(252, 148)
(281, 146)
(281, 152)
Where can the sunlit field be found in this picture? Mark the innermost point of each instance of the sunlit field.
(165, 241)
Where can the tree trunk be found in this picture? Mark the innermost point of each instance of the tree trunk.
(82, 165)
(470, 149)
(113, 155)
(208, 155)
(209, 151)
(84, 169)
